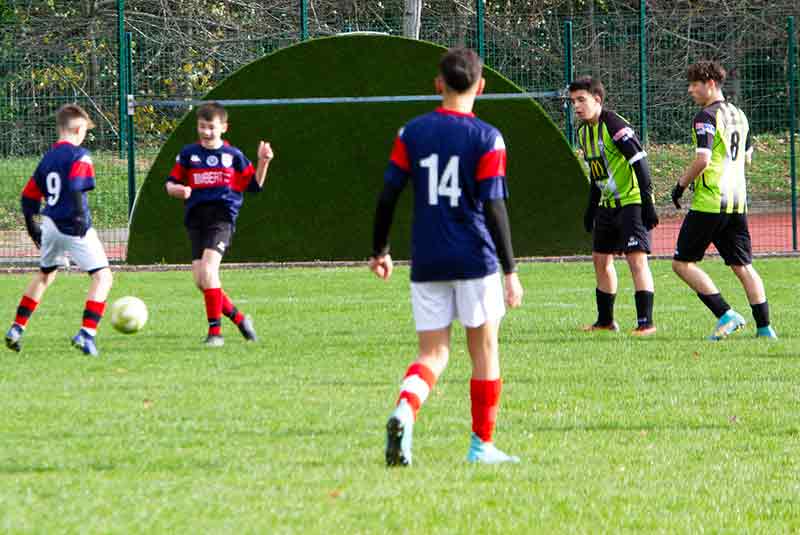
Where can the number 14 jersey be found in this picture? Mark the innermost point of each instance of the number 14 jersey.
(456, 162)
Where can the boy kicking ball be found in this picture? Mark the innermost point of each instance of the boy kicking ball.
(211, 176)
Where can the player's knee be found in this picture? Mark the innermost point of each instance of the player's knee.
(103, 277)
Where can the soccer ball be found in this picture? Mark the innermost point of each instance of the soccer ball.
(128, 314)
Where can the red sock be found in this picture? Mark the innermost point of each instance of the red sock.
(230, 310)
(213, 297)
(485, 397)
(24, 310)
(416, 386)
(92, 314)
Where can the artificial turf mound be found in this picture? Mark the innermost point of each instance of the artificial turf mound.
(321, 189)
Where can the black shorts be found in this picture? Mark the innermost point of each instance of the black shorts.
(209, 227)
(728, 233)
(620, 230)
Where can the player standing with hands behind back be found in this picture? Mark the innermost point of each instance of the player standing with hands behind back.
(621, 212)
(457, 166)
(210, 176)
(718, 213)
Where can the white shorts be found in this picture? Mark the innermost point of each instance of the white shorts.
(87, 251)
(472, 301)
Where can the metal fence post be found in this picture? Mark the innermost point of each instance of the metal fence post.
(643, 71)
(121, 74)
(130, 110)
(569, 130)
(479, 16)
(303, 20)
(792, 64)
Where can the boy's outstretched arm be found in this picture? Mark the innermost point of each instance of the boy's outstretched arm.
(179, 191)
(265, 155)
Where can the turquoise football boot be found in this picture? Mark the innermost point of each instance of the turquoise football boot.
(727, 324)
(766, 332)
(487, 453)
(399, 430)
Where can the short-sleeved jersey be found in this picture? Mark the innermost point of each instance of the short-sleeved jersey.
(610, 148)
(722, 131)
(456, 162)
(63, 170)
(219, 176)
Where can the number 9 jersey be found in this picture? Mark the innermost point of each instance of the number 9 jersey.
(64, 170)
(455, 162)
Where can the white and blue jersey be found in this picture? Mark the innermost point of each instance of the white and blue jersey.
(455, 162)
(63, 170)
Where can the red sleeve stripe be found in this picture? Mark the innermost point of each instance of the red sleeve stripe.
(491, 164)
(178, 173)
(32, 190)
(400, 155)
(242, 180)
(81, 169)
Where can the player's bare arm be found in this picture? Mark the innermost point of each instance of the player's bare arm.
(265, 156)
(381, 266)
(513, 290)
(179, 191)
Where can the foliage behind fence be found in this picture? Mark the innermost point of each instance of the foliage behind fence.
(56, 51)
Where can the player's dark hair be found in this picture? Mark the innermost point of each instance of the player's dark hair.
(460, 68)
(590, 84)
(68, 113)
(212, 110)
(703, 71)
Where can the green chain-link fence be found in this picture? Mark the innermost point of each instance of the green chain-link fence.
(53, 52)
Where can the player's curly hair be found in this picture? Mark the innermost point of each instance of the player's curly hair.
(460, 68)
(703, 71)
(68, 113)
(590, 84)
(212, 110)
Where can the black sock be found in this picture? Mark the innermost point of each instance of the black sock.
(715, 303)
(761, 314)
(644, 308)
(605, 307)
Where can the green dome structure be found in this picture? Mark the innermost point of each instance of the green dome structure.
(319, 199)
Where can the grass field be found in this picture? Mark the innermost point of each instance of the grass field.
(672, 434)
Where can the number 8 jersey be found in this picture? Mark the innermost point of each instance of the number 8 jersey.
(64, 170)
(455, 162)
(721, 130)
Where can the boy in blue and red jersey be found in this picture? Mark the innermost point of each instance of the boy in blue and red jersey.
(62, 179)
(457, 166)
(211, 177)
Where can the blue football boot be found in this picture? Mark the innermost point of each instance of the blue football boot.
(14, 337)
(85, 342)
(399, 430)
(487, 453)
(728, 323)
(761, 332)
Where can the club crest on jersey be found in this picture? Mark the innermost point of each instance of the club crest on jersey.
(227, 160)
(212, 161)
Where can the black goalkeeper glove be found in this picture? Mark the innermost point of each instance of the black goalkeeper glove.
(649, 215)
(36, 235)
(677, 193)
